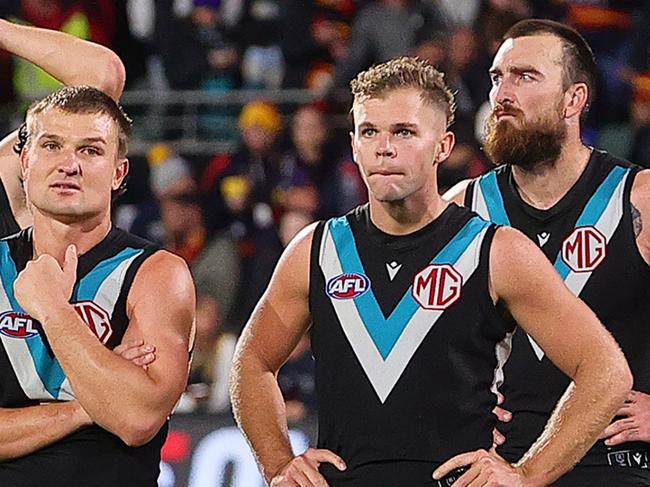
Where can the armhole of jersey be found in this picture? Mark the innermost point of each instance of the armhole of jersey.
(8, 223)
(497, 309)
(120, 312)
(314, 255)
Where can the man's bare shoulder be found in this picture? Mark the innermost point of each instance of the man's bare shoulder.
(457, 192)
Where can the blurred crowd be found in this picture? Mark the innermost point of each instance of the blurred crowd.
(231, 214)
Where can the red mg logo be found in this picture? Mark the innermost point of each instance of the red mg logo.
(437, 286)
(584, 249)
(96, 318)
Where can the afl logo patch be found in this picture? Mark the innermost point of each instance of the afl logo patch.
(17, 325)
(437, 286)
(584, 249)
(347, 286)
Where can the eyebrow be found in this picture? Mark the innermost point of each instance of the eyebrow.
(85, 140)
(522, 68)
(395, 126)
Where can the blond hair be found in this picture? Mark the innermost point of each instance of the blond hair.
(405, 72)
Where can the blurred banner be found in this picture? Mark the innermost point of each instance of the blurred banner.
(207, 450)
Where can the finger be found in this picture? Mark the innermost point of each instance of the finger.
(632, 396)
(616, 427)
(70, 261)
(467, 478)
(456, 462)
(500, 398)
(129, 344)
(623, 437)
(135, 352)
(298, 476)
(497, 437)
(320, 455)
(144, 359)
(502, 415)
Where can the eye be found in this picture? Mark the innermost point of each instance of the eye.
(526, 77)
(91, 151)
(496, 78)
(368, 132)
(405, 132)
(50, 145)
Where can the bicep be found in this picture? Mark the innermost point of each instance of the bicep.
(164, 318)
(282, 315)
(537, 298)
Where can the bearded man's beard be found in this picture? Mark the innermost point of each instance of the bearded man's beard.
(534, 143)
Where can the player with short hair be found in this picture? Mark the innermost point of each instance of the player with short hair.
(403, 299)
(585, 209)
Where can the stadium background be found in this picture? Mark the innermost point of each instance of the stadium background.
(240, 138)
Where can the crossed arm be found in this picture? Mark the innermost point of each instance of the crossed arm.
(72, 61)
(118, 395)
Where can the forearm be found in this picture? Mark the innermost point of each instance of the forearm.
(26, 430)
(582, 413)
(71, 60)
(259, 410)
(118, 395)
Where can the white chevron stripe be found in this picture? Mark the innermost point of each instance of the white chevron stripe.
(384, 374)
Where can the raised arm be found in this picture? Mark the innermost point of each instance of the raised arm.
(119, 396)
(72, 61)
(280, 319)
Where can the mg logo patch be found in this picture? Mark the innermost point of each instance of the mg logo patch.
(584, 249)
(347, 286)
(96, 318)
(17, 325)
(437, 286)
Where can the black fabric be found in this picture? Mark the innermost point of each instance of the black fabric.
(441, 404)
(92, 456)
(617, 292)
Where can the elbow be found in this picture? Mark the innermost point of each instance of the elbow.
(139, 431)
(113, 76)
(620, 376)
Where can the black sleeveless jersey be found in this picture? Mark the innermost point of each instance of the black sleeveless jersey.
(589, 237)
(8, 224)
(30, 373)
(407, 343)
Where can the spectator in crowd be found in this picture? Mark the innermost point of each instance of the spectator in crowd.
(388, 29)
(640, 152)
(314, 159)
(257, 30)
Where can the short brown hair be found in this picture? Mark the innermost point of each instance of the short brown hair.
(405, 72)
(78, 99)
(578, 63)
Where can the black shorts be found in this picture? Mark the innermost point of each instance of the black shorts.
(604, 476)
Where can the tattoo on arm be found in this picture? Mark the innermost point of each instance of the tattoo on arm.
(637, 223)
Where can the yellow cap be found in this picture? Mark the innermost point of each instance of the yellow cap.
(264, 114)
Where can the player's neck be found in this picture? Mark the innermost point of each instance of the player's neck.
(51, 236)
(545, 184)
(406, 216)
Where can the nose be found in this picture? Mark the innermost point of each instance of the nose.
(503, 92)
(69, 165)
(385, 147)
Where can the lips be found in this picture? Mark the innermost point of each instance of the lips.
(65, 185)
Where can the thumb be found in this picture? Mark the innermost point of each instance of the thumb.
(70, 262)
